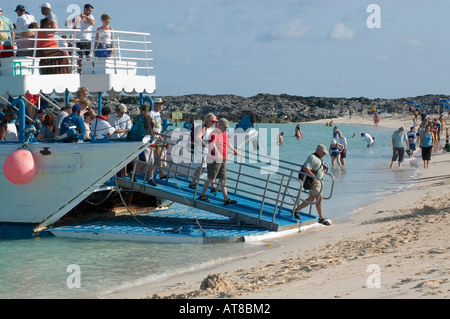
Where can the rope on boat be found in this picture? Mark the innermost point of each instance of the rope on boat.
(175, 230)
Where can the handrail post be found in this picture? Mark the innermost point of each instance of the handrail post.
(278, 197)
(264, 195)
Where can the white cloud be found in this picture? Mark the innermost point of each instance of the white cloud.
(341, 32)
(414, 45)
(292, 31)
(380, 57)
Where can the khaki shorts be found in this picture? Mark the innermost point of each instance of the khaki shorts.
(315, 190)
(217, 170)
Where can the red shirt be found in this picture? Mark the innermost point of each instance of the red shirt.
(221, 142)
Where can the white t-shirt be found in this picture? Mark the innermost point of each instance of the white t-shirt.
(343, 141)
(119, 124)
(156, 116)
(101, 127)
(60, 118)
(368, 138)
(24, 21)
(85, 27)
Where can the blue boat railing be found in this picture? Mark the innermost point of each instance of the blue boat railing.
(247, 176)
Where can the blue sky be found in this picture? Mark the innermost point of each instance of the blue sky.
(298, 47)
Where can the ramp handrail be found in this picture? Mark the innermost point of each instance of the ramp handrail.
(280, 189)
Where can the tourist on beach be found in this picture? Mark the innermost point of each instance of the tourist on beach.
(412, 135)
(446, 146)
(217, 161)
(8, 129)
(343, 141)
(335, 152)
(298, 132)
(350, 112)
(280, 138)
(85, 21)
(399, 140)
(369, 139)
(201, 139)
(427, 142)
(335, 131)
(376, 119)
(103, 38)
(120, 120)
(315, 167)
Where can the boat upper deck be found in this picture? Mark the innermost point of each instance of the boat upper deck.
(57, 69)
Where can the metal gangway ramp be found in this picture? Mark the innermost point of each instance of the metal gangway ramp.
(266, 197)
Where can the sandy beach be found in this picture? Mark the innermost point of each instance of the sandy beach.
(394, 248)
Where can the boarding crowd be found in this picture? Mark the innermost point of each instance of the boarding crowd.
(20, 39)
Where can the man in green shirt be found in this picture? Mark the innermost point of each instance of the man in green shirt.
(314, 166)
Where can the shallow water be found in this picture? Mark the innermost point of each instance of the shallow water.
(42, 267)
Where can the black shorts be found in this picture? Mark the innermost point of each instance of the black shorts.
(85, 48)
(426, 153)
(399, 152)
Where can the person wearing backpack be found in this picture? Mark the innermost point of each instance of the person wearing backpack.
(314, 166)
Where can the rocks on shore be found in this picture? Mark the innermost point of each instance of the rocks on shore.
(272, 108)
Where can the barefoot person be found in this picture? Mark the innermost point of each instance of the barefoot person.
(315, 167)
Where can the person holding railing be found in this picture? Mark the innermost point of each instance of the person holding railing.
(103, 38)
(49, 48)
(216, 161)
(314, 166)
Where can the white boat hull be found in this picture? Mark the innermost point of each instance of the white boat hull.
(63, 179)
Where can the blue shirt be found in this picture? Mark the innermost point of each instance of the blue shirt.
(399, 138)
(72, 120)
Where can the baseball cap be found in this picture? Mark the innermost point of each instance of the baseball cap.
(158, 101)
(224, 122)
(20, 7)
(76, 107)
(322, 148)
(46, 5)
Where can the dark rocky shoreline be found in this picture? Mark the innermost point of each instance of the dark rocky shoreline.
(273, 108)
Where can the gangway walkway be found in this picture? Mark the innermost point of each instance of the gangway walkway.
(265, 197)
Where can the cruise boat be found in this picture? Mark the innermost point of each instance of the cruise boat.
(57, 176)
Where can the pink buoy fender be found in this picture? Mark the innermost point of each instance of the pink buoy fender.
(19, 167)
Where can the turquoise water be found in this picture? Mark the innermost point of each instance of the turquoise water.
(40, 267)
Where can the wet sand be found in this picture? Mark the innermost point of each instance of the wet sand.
(394, 248)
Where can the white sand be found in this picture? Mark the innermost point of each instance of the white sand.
(395, 248)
